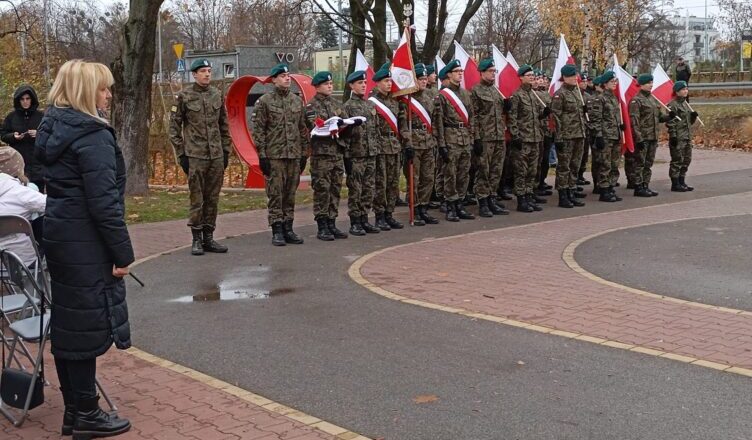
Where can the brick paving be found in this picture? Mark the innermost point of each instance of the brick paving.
(166, 404)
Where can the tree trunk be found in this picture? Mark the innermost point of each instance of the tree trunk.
(133, 70)
(358, 41)
(379, 50)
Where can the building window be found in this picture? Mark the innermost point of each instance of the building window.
(697, 52)
(229, 70)
(697, 38)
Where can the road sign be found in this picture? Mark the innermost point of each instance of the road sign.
(178, 48)
(181, 65)
(747, 49)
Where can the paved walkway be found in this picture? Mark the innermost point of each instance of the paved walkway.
(165, 400)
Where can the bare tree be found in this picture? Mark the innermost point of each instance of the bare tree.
(736, 15)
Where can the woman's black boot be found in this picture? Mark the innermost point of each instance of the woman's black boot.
(92, 422)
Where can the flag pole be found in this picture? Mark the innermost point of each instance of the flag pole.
(664, 105)
(698, 118)
(410, 162)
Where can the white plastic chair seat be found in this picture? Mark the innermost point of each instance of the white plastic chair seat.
(28, 329)
(14, 303)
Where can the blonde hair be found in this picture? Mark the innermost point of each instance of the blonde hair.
(76, 86)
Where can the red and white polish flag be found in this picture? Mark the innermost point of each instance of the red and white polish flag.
(362, 64)
(507, 79)
(565, 57)
(626, 90)
(471, 76)
(512, 61)
(663, 87)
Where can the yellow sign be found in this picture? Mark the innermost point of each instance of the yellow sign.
(178, 48)
(747, 49)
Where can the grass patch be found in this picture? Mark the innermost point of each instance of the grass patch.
(162, 204)
(726, 126)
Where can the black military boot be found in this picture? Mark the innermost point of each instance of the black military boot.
(542, 191)
(197, 247)
(573, 198)
(381, 222)
(451, 212)
(400, 202)
(278, 234)
(597, 190)
(333, 229)
(652, 193)
(531, 200)
(394, 224)
(324, 233)
(684, 184)
(470, 199)
(642, 191)
(613, 192)
(209, 244)
(417, 219)
(462, 212)
(290, 236)
(523, 205)
(92, 422)
(581, 181)
(496, 207)
(426, 217)
(564, 201)
(675, 186)
(443, 207)
(355, 227)
(607, 196)
(577, 193)
(631, 185)
(537, 200)
(504, 195)
(484, 210)
(369, 228)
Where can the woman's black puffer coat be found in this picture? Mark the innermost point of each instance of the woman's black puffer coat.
(84, 233)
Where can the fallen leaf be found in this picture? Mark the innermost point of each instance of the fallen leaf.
(425, 398)
(520, 363)
(489, 296)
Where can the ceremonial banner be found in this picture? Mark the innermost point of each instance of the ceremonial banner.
(362, 64)
(402, 69)
(626, 90)
(663, 87)
(471, 76)
(512, 61)
(565, 57)
(506, 74)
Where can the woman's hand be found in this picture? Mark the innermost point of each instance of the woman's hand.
(119, 272)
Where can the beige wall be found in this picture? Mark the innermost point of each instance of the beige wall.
(329, 59)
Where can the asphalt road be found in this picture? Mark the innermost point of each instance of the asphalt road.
(706, 260)
(316, 341)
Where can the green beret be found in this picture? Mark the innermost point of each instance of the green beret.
(430, 69)
(420, 70)
(382, 73)
(525, 68)
(679, 85)
(644, 79)
(597, 80)
(358, 75)
(486, 64)
(279, 68)
(443, 73)
(607, 76)
(321, 77)
(568, 70)
(386, 66)
(199, 63)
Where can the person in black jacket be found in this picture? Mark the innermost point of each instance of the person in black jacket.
(86, 240)
(683, 71)
(20, 130)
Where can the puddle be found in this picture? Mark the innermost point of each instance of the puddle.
(243, 287)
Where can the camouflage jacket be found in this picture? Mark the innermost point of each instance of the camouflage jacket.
(569, 115)
(488, 107)
(325, 107)
(363, 140)
(279, 125)
(449, 128)
(546, 124)
(524, 122)
(681, 130)
(198, 123)
(590, 98)
(605, 116)
(421, 138)
(390, 144)
(645, 115)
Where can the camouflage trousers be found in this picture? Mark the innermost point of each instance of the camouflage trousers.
(361, 183)
(456, 172)
(615, 161)
(644, 158)
(585, 153)
(281, 186)
(569, 154)
(507, 174)
(489, 166)
(543, 166)
(205, 178)
(603, 163)
(439, 181)
(525, 164)
(387, 183)
(681, 157)
(326, 181)
(629, 166)
(424, 164)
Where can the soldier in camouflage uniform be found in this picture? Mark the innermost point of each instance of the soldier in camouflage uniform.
(388, 160)
(439, 183)
(488, 107)
(360, 157)
(432, 87)
(587, 90)
(646, 115)
(606, 128)
(455, 133)
(568, 109)
(281, 138)
(424, 144)
(327, 166)
(541, 89)
(201, 138)
(680, 137)
(525, 118)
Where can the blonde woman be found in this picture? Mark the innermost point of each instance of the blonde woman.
(86, 241)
